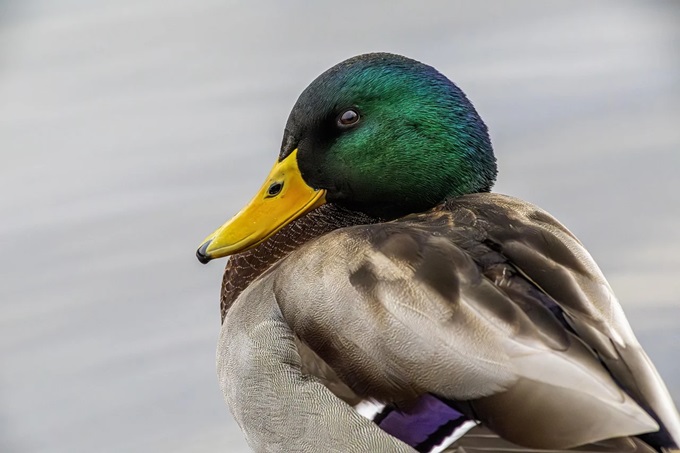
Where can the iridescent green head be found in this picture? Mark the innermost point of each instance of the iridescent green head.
(388, 136)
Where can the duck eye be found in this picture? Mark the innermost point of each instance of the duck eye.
(348, 118)
(274, 189)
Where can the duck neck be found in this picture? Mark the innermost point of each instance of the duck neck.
(243, 268)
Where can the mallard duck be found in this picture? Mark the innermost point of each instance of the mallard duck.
(379, 297)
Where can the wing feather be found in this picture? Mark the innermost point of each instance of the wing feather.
(551, 257)
(409, 311)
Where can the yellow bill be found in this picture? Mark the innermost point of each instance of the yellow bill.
(284, 197)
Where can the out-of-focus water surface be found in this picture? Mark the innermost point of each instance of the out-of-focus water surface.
(130, 129)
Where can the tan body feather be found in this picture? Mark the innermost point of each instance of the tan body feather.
(460, 302)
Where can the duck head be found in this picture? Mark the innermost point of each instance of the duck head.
(379, 133)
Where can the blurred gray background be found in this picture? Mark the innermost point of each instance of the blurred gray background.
(129, 130)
